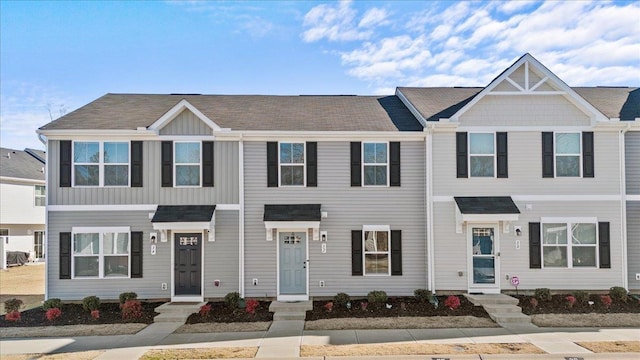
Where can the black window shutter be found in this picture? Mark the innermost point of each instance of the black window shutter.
(272, 164)
(312, 164)
(502, 156)
(587, 155)
(207, 163)
(167, 163)
(136, 164)
(604, 245)
(65, 163)
(394, 157)
(535, 259)
(547, 155)
(396, 252)
(356, 252)
(65, 255)
(461, 155)
(136, 254)
(356, 170)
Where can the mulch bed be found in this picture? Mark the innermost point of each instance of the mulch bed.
(560, 305)
(223, 313)
(74, 314)
(400, 306)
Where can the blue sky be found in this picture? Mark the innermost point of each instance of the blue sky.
(57, 56)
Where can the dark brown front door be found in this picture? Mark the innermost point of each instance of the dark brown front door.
(188, 251)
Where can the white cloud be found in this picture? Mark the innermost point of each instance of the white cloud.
(373, 17)
(338, 22)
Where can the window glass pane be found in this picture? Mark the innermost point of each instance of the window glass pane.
(554, 233)
(583, 234)
(369, 153)
(86, 244)
(86, 152)
(187, 175)
(4, 232)
(87, 175)
(85, 266)
(584, 256)
(292, 175)
(188, 153)
(568, 143)
(285, 153)
(484, 270)
(567, 166)
(381, 153)
(41, 201)
(116, 175)
(115, 243)
(369, 241)
(481, 143)
(382, 240)
(369, 175)
(482, 241)
(381, 175)
(40, 190)
(376, 264)
(297, 153)
(116, 266)
(555, 256)
(482, 166)
(116, 152)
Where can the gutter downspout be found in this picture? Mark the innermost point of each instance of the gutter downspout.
(241, 216)
(43, 139)
(429, 208)
(623, 207)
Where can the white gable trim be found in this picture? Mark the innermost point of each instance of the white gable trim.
(176, 110)
(529, 61)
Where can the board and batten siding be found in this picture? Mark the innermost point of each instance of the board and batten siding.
(632, 163)
(451, 248)
(633, 243)
(525, 169)
(225, 190)
(186, 123)
(348, 208)
(221, 257)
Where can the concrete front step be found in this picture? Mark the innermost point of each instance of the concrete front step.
(166, 317)
(280, 315)
(502, 309)
(177, 308)
(491, 299)
(511, 318)
(298, 306)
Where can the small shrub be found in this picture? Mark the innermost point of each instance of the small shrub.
(581, 296)
(53, 314)
(126, 296)
(95, 314)
(251, 305)
(571, 300)
(232, 299)
(618, 293)
(329, 306)
(12, 305)
(205, 310)
(377, 297)
(452, 302)
(422, 295)
(533, 302)
(364, 305)
(605, 300)
(91, 303)
(131, 310)
(52, 304)
(342, 299)
(543, 294)
(12, 316)
(403, 306)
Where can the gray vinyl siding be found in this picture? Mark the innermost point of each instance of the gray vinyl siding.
(525, 169)
(225, 190)
(221, 257)
(348, 208)
(451, 248)
(186, 124)
(632, 162)
(633, 243)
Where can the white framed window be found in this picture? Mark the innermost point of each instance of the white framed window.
(568, 154)
(101, 163)
(292, 163)
(187, 163)
(101, 252)
(40, 195)
(569, 243)
(482, 154)
(375, 163)
(4, 232)
(377, 249)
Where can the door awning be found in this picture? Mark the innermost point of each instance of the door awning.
(180, 217)
(295, 216)
(484, 209)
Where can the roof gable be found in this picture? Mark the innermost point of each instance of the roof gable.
(176, 110)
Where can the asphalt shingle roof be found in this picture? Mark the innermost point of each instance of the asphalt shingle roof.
(183, 213)
(19, 164)
(297, 212)
(486, 205)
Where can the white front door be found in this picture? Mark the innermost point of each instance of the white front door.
(483, 258)
(292, 266)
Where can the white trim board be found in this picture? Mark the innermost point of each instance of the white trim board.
(442, 198)
(126, 207)
(177, 110)
(633, 197)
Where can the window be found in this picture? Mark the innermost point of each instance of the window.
(4, 232)
(100, 253)
(38, 244)
(101, 163)
(292, 164)
(482, 154)
(187, 163)
(375, 164)
(377, 253)
(40, 195)
(569, 244)
(567, 154)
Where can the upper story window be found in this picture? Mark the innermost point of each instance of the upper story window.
(40, 195)
(187, 163)
(482, 154)
(569, 244)
(377, 250)
(100, 163)
(4, 232)
(101, 252)
(375, 164)
(292, 164)
(567, 154)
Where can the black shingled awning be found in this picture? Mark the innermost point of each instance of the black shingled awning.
(486, 205)
(299, 212)
(183, 213)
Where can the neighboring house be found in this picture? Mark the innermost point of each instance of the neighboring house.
(22, 200)
(632, 152)
(189, 197)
